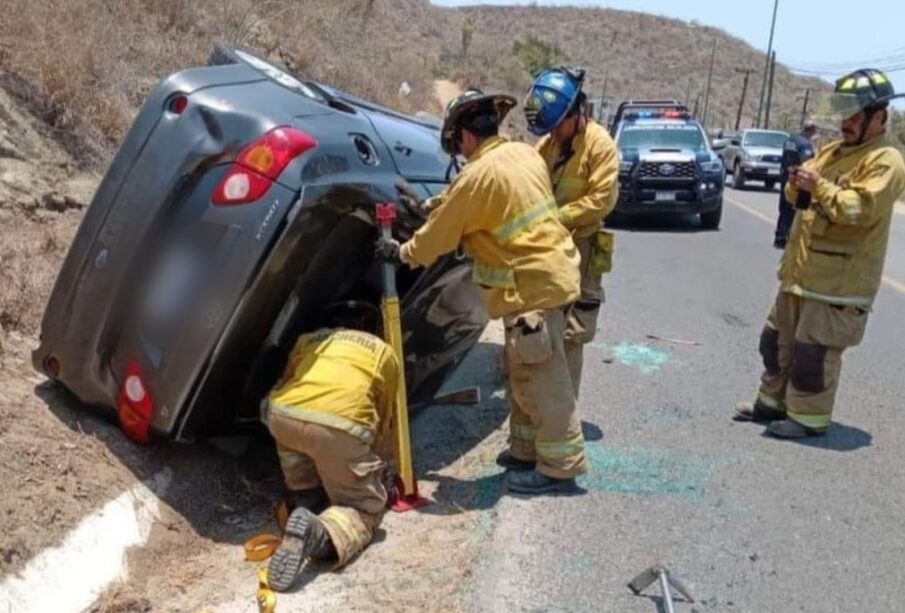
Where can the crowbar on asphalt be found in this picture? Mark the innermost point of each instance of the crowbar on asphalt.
(407, 497)
(468, 395)
(658, 572)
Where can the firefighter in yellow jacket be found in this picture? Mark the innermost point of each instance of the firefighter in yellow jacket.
(501, 209)
(833, 262)
(330, 415)
(584, 168)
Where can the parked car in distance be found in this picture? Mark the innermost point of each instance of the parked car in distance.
(755, 155)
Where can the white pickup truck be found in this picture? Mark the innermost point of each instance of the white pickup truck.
(755, 155)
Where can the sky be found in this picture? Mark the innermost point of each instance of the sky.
(828, 36)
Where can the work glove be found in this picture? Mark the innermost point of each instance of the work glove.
(429, 204)
(407, 196)
(387, 250)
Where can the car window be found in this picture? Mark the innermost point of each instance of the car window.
(765, 139)
(664, 136)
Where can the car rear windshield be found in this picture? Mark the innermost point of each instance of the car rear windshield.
(765, 139)
(664, 136)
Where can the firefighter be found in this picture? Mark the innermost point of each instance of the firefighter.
(501, 209)
(330, 415)
(584, 169)
(802, 145)
(833, 263)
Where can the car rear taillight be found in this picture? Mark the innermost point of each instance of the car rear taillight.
(135, 405)
(177, 104)
(259, 164)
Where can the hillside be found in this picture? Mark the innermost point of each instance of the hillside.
(638, 55)
(86, 67)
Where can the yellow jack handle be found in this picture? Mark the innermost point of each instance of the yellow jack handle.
(408, 497)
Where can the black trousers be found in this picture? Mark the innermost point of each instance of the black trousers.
(786, 217)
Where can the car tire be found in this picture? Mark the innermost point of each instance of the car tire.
(614, 220)
(770, 185)
(711, 219)
(223, 54)
(738, 177)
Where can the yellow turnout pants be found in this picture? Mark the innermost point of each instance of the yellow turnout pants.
(802, 346)
(543, 420)
(349, 470)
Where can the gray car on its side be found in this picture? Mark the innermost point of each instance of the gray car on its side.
(240, 204)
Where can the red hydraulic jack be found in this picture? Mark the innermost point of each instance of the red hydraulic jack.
(406, 497)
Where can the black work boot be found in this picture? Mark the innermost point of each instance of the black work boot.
(510, 462)
(757, 412)
(789, 429)
(533, 483)
(305, 537)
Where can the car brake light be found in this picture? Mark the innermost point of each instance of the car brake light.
(260, 163)
(135, 405)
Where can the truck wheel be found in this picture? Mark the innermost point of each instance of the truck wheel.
(738, 177)
(711, 219)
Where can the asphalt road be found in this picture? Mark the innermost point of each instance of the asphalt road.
(749, 523)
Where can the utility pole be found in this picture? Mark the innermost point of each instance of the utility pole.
(697, 102)
(804, 107)
(763, 85)
(770, 90)
(687, 92)
(709, 79)
(741, 102)
(604, 107)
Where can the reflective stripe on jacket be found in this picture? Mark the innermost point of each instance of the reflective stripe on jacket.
(501, 209)
(837, 247)
(586, 184)
(344, 379)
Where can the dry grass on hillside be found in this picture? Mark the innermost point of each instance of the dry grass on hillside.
(638, 55)
(86, 67)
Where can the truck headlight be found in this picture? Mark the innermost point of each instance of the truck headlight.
(626, 166)
(712, 166)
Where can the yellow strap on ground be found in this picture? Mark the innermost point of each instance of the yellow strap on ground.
(267, 600)
(282, 515)
(261, 547)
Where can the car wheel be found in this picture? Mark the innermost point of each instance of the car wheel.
(770, 185)
(223, 54)
(614, 220)
(738, 177)
(711, 219)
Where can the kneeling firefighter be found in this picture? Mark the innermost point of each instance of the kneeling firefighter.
(331, 417)
(501, 209)
(584, 168)
(833, 262)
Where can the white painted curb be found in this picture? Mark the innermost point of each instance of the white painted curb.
(93, 555)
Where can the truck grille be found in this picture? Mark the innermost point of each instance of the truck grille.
(773, 159)
(667, 170)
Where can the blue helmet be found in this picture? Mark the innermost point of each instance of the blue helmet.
(552, 95)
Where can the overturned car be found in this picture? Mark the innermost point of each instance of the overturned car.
(239, 204)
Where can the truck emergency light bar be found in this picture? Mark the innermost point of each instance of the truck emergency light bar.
(658, 115)
(649, 106)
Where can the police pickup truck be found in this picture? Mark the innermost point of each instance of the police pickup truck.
(666, 163)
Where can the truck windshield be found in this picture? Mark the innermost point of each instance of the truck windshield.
(684, 137)
(765, 139)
